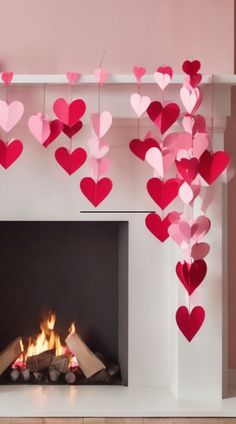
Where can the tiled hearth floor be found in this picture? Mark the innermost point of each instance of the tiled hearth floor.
(117, 420)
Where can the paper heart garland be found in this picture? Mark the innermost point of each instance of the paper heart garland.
(71, 131)
(163, 117)
(56, 128)
(161, 161)
(7, 77)
(190, 323)
(10, 114)
(191, 275)
(184, 231)
(139, 72)
(39, 125)
(139, 103)
(99, 167)
(70, 162)
(94, 191)
(10, 152)
(139, 148)
(158, 226)
(163, 193)
(163, 76)
(72, 77)
(69, 113)
(101, 123)
(98, 148)
(191, 98)
(212, 165)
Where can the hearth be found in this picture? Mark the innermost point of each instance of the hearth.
(61, 320)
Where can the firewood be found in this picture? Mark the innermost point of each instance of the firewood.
(26, 374)
(10, 354)
(70, 377)
(54, 375)
(40, 362)
(38, 376)
(89, 363)
(14, 374)
(60, 363)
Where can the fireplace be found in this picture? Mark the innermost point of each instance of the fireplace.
(61, 285)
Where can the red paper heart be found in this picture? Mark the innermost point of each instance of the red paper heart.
(191, 68)
(56, 128)
(10, 152)
(195, 80)
(159, 227)
(199, 125)
(163, 118)
(188, 168)
(70, 113)
(190, 323)
(70, 162)
(7, 77)
(140, 148)
(212, 165)
(71, 131)
(191, 275)
(95, 192)
(165, 70)
(163, 193)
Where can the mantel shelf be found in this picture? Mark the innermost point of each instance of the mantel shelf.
(25, 79)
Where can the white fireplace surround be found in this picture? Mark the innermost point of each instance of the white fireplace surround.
(166, 375)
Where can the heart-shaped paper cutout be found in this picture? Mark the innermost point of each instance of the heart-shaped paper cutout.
(7, 77)
(191, 98)
(163, 193)
(200, 228)
(69, 113)
(191, 275)
(163, 76)
(139, 71)
(10, 152)
(72, 77)
(212, 165)
(94, 191)
(100, 75)
(177, 141)
(200, 143)
(139, 103)
(99, 167)
(191, 68)
(39, 125)
(97, 147)
(10, 114)
(71, 131)
(70, 162)
(190, 323)
(158, 226)
(101, 123)
(56, 128)
(163, 117)
(186, 193)
(188, 168)
(139, 148)
(200, 250)
(161, 161)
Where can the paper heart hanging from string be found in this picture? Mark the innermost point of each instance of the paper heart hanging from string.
(190, 323)
(10, 114)
(158, 226)
(56, 128)
(188, 168)
(139, 72)
(163, 193)
(189, 192)
(212, 165)
(200, 250)
(70, 161)
(99, 167)
(191, 68)
(69, 113)
(97, 147)
(139, 148)
(10, 152)
(139, 103)
(191, 98)
(163, 117)
(184, 231)
(194, 80)
(161, 161)
(163, 76)
(101, 123)
(200, 144)
(178, 141)
(71, 131)
(7, 77)
(191, 275)
(94, 191)
(72, 77)
(100, 75)
(39, 126)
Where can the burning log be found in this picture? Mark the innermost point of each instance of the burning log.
(14, 375)
(10, 354)
(38, 376)
(40, 362)
(70, 377)
(26, 374)
(60, 363)
(54, 375)
(89, 363)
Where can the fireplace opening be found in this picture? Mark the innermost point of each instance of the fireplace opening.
(64, 288)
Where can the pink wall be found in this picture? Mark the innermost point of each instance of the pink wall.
(53, 36)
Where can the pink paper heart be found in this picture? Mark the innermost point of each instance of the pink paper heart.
(72, 77)
(155, 159)
(200, 250)
(69, 113)
(200, 228)
(101, 123)
(177, 141)
(39, 125)
(139, 71)
(100, 75)
(191, 98)
(139, 103)
(200, 144)
(99, 167)
(7, 77)
(97, 147)
(10, 114)
(188, 123)
(186, 193)
(163, 76)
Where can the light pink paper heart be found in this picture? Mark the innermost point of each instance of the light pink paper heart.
(200, 144)
(10, 114)
(178, 236)
(191, 98)
(97, 147)
(155, 159)
(200, 228)
(186, 193)
(188, 123)
(72, 77)
(139, 103)
(100, 75)
(99, 167)
(39, 125)
(177, 141)
(101, 123)
(162, 79)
